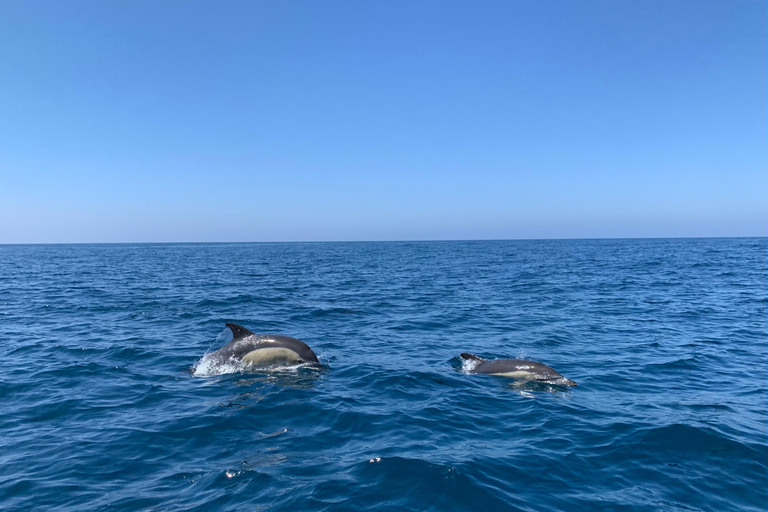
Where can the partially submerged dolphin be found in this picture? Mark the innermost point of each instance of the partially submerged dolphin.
(263, 350)
(517, 369)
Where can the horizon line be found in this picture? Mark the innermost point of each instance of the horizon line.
(393, 241)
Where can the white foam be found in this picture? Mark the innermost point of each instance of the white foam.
(467, 365)
(208, 367)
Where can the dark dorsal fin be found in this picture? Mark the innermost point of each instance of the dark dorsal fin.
(466, 355)
(238, 331)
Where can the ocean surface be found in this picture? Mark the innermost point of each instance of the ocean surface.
(104, 404)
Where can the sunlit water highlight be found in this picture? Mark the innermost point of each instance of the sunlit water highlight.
(108, 402)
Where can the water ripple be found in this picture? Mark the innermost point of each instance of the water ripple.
(106, 405)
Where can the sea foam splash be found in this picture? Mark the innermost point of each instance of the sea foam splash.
(207, 366)
(467, 365)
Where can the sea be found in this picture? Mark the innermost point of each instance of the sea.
(105, 404)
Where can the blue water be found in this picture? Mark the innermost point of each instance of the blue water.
(667, 340)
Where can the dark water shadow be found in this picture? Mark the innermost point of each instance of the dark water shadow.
(258, 386)
(297, 377)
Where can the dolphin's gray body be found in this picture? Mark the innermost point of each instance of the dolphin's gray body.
(263, 350)
(518, 369)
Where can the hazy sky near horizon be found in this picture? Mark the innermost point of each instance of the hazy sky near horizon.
(146, 121)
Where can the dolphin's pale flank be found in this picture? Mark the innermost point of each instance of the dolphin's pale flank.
(263, 350)
(517, 369)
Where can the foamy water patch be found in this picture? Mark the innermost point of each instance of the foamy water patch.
(467, 365)
(210, 367)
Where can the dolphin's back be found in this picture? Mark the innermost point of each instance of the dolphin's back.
(264, 349)
(513, 365)
(517, 368)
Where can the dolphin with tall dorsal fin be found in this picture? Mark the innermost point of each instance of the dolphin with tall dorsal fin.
(517, 369)
(263, 350)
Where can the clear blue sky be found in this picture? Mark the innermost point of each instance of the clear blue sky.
(143, 121)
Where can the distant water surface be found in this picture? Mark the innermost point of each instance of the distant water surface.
(667, 340)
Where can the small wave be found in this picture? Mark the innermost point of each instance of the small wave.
(414, 325)
(237, 300)
(701, 440)
(676, 364)
(325, 312)
(280, 432)
(443, 486)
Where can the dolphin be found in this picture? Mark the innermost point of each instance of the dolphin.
(517, 369)
(263, 350)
